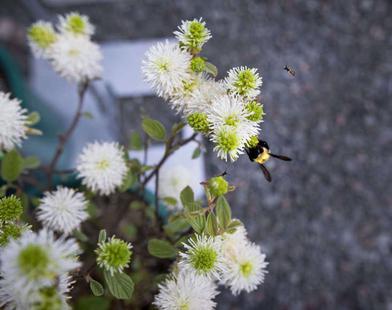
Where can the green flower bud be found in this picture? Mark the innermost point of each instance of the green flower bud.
(10, 209)
(256, 111)
(198, 121)
(8, 232)
(114, 255)
(76, 24)
(198, 64)
(252, 142)
(42, 34)
(218, 186)
(49, 299)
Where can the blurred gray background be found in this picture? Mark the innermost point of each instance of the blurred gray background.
(325, 221)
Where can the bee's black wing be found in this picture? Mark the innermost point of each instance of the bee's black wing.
(281, 157)
(266, 173)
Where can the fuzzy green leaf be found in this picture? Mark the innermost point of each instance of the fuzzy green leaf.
(223, 212)
(33, 118)
(96, 287)
(211, 225)
(102, 236)
(120, 284)
(187, 196)
(161, 248)
(135, 141)
(196, 153)
(154, 129)
(11, 166)
(31, 162)
(211, 69)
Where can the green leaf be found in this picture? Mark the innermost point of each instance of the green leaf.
(128, 182)
(211, 225)
(223, 212)
(88, 115)
(80, 235)
(31, 162)
(177, 226)
(177, 127)
(92, 303)
(196, 153)
(187, 196)
(211, 69)
(102, 236)
(171, 201)
(129, 231)
(33, 118)
(11, 166)
(198, 223)
(135, 141)
(154, 129)
(161, 248)
(232, 227)
(96, 287)
(120, 284)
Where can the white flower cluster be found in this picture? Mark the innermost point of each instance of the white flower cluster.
(102, 167)
(13, 122)
(34, 271)
(226, 111)
(70, 50)
(230, 260)
(62, 210)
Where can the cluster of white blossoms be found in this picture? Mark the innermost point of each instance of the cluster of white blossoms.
(70, 50)
(62, 210)
(34, 271)
(226, 111)
(13, 122)
(102, 167)
(230, 260)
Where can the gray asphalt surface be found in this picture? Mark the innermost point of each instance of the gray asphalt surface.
(325, 221)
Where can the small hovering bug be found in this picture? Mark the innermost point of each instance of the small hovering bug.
(260, 154)
(289, 70)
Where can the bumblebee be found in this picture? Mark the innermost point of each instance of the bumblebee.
(260, 154)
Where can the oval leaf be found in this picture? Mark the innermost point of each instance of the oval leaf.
(187, 196)
(96, 287)
(11, 166)
(33, 118)
(135, 141)
(120, 285)
(223, 212)
(211, 69)
(154, 129)
(102, 236)
(161, 248)
(31, 162)
(211, 225)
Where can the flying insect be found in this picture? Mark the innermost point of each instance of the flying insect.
(260, 154)
(289, 70)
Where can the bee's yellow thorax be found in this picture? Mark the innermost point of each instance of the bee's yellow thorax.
(263, 157)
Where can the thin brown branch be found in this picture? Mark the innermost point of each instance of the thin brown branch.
(63, 138)
(170, 148)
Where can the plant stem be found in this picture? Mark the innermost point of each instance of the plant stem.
(63, 138)
(170, 147)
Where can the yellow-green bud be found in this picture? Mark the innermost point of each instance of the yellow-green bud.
(198, 64)
(256, 111)
(198, 121)
(10, 209)
(218, 186)
(42, 34)
(252, 142)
